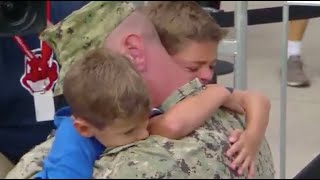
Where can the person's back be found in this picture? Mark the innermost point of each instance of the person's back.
(199, 155)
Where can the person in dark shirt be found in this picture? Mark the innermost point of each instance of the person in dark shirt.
(19, 129)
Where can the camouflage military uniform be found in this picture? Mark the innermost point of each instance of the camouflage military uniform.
(200, 155)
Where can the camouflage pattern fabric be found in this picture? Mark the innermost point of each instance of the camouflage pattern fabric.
(83, 30)
(32, 162)
(200, 155)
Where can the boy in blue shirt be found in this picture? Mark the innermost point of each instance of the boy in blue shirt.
(107, 109)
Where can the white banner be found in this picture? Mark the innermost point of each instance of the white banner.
(304, 3)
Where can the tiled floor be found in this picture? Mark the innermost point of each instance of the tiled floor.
(303, 108)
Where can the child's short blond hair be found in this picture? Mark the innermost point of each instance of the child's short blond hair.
(103, 86)
(178, 22)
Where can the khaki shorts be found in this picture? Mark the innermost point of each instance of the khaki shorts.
(5, 166)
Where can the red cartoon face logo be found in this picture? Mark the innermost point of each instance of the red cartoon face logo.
(39, 75)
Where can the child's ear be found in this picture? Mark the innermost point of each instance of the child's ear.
(134, 49)
(82, 127)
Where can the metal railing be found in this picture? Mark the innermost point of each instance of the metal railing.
(283, 84)
(240, 75)
(240, 65)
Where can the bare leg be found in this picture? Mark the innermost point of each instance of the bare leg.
(297, 29)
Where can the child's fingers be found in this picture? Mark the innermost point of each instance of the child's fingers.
(251, 170)
(235, 135)
(234, 148)
(239, 159)
(245, 165)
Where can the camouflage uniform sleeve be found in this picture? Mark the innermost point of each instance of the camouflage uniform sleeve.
(191, 88)
(32, 162)
(82, 30)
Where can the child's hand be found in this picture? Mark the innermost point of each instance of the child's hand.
(245, 147)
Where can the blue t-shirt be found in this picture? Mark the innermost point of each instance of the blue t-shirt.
(72, 155)
(16, 102)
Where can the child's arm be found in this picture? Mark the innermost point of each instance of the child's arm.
(189, 114)
(257, 108)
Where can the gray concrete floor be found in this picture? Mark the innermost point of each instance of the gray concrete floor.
(303, 108)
